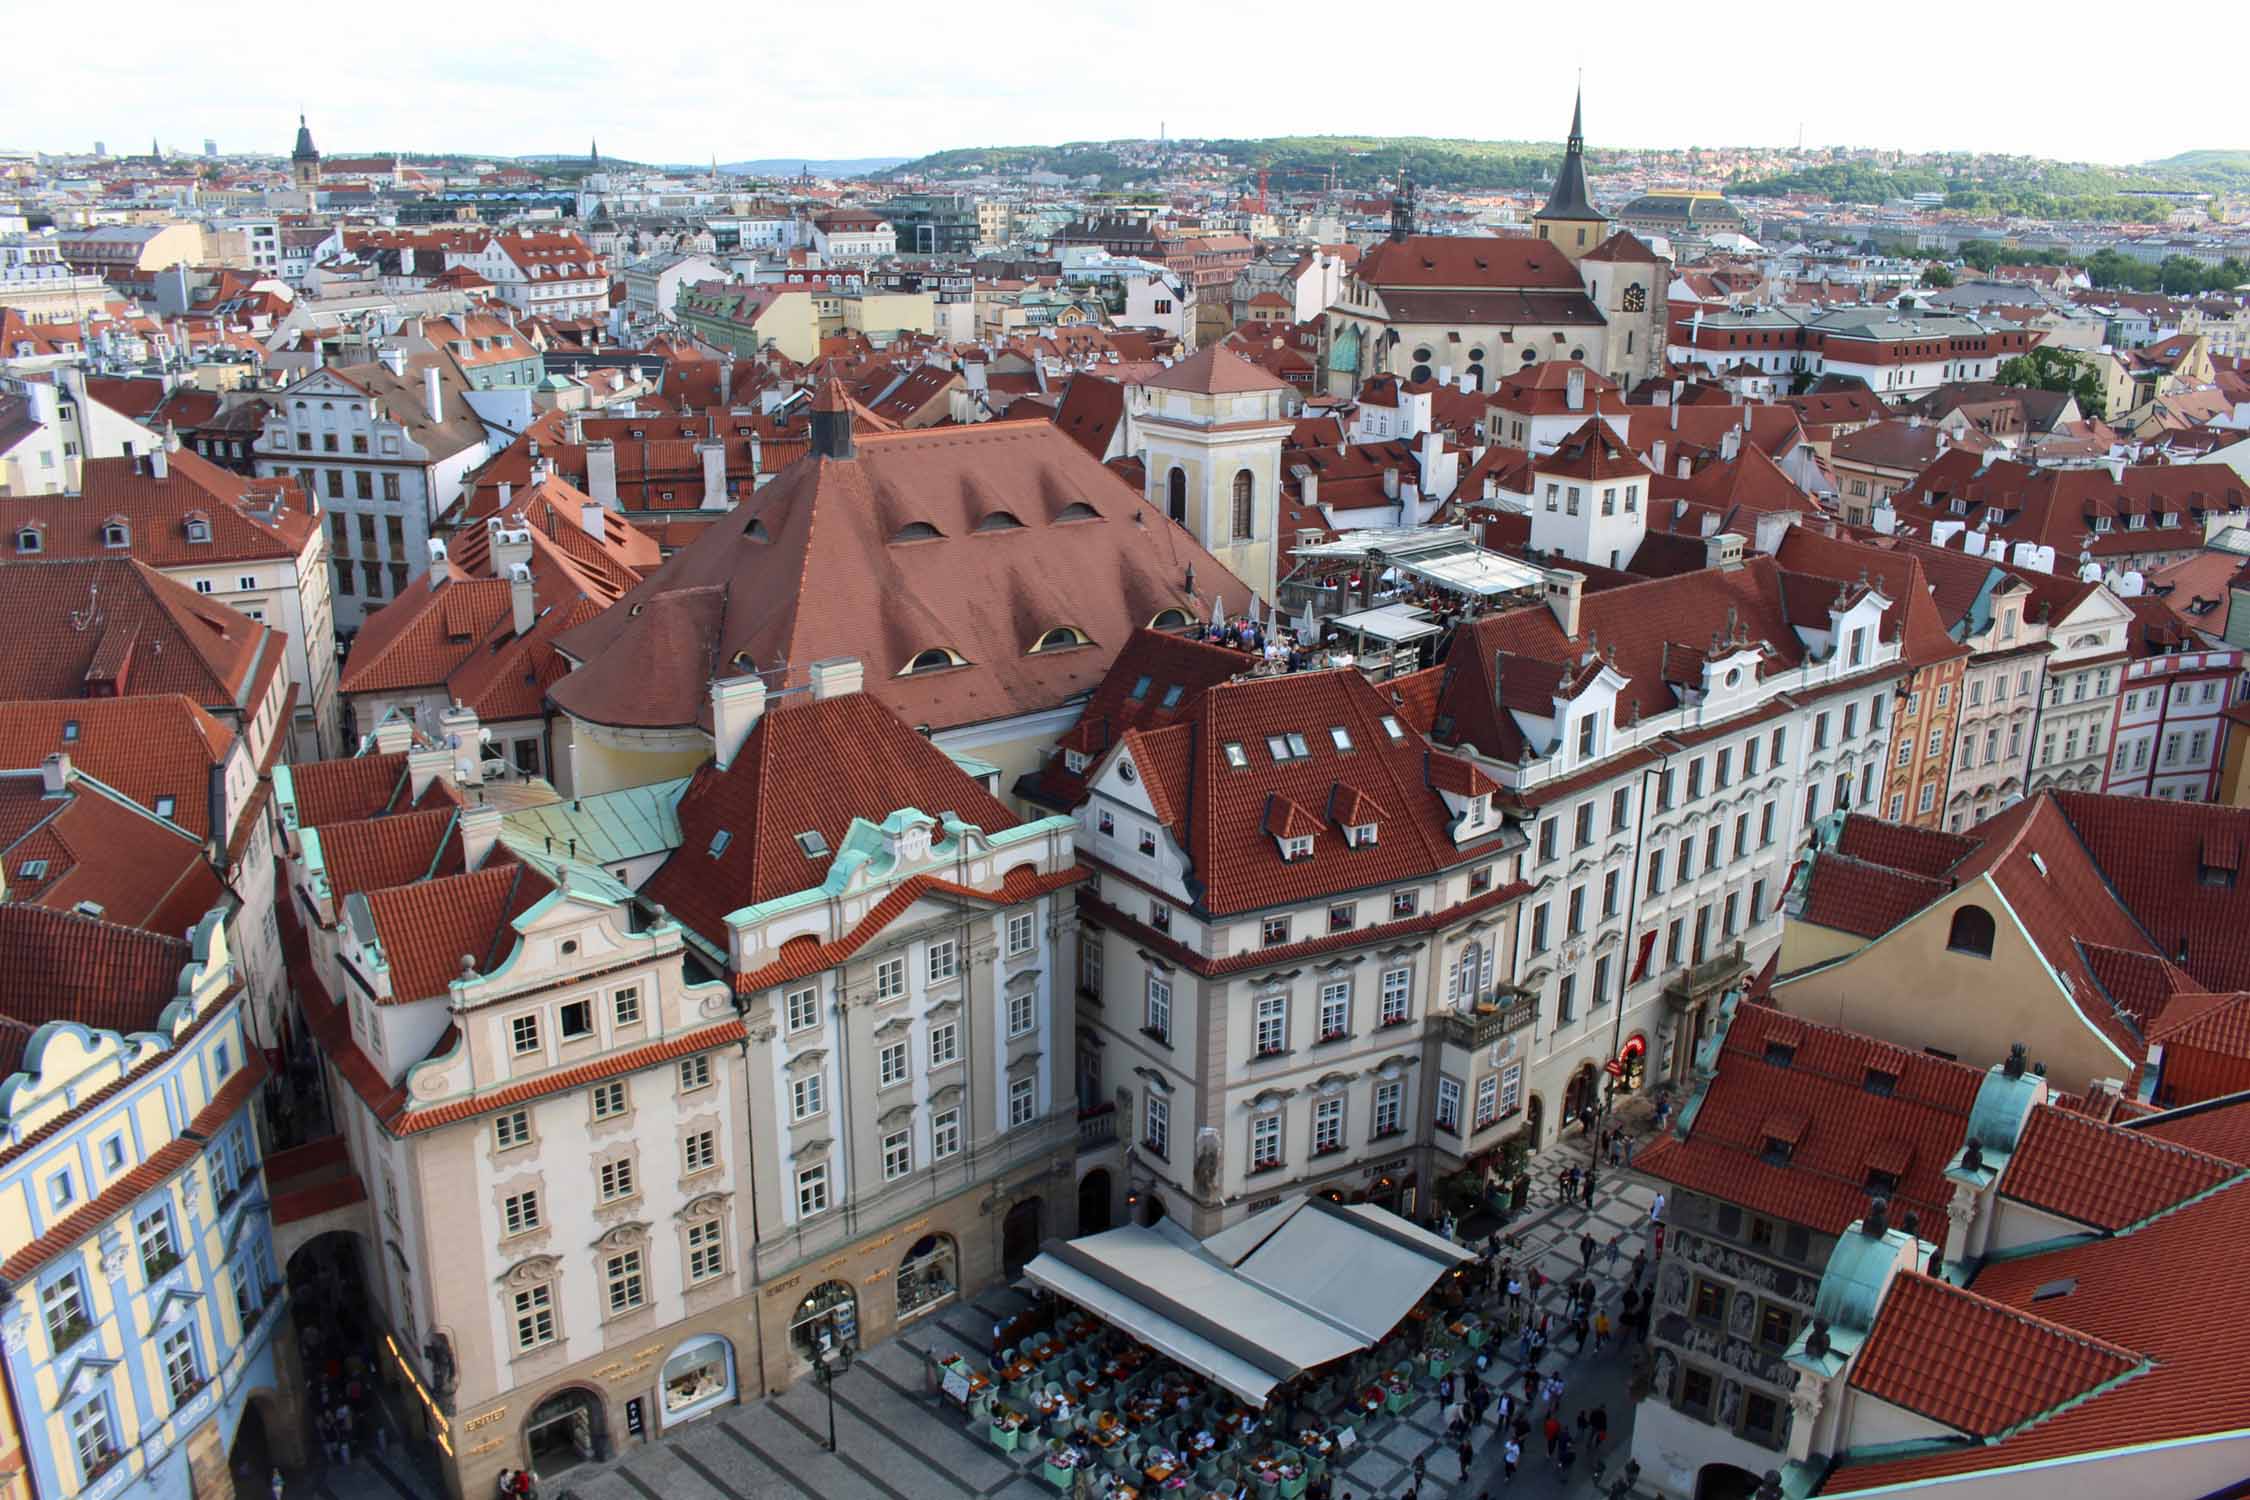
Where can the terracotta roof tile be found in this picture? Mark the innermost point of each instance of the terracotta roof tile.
(60, 966)
(117, 626)
(1919, 1118)
(2070, 1165)
(249, 520)
(426, 929)
(806, 767)
(344, 791)
(1974, 1365)
(162, 745)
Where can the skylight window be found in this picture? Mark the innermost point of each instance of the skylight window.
(813, 845)
(1172, 696)
(1391, 728)
(1237, 757)
(1340, 737)
(2053, 1289)
(1287, 747)
(720, 840)
(165, 805)
(1780, 1054)
(32, 869)
(1140, 689)
(70, 731)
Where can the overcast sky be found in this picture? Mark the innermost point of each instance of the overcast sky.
(680, 82)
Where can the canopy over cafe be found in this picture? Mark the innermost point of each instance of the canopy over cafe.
(1257, 1352)
(1394, 592)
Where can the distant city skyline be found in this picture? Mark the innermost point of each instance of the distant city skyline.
(712, 80)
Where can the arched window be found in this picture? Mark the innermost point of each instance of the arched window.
(1245, 488)
(1061, 638)
(1175, 494)
(1419, 375)
(927, 1274)
(828, 1317)
(937, 658)
(1971, 932)
(1169, 619)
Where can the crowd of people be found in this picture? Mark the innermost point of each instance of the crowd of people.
(326, 1295)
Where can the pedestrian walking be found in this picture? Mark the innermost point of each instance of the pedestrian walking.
(1586, 1248)
(1615, 1248)
(1656, 1210)
(1465, 1452)
(1566, 1454)
(1601, 1329)
(1589, 1187)
(1601, 1426)
(1640, 1265)
(1510, 1456)
(1553, 1430)
(1630, 1143)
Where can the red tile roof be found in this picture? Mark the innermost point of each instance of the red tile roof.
(1215, 370)
(807, 767)
(342, 791)
(1091, 412)
(1473, 261)
(372, 854)
(1849, 1130)
(2154, 1292)
(2072, 1166)
(832, 559)
(1225, 817)
(100, 847)
(2216, 1127)
(1977, 1366)
(250, 520)
(426, 929)
(162, 745)
(113, 627)
(60, 966)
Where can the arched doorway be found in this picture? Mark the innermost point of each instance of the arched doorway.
(1175, 494)
(1580, 1094)
(567, 1429)
(928, 1274)
(1153, 1210)
(1019, 1234)
(1093, 1201)
(1725, 1482)
(828, 1316)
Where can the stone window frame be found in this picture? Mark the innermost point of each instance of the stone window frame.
(628, 1154)
(705, 1211)
(527, 1276)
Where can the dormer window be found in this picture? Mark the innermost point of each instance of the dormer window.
(1360, 834)
(1074, 761)
(1296, 848)
(115, 533)
(1061, 638)
(936, 659)
(2171, 518)
(198, 528)
(2101, 524)
(29, 540)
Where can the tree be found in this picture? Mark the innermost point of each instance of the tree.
(1937, 276)
(2051, 369)
(2178, 276)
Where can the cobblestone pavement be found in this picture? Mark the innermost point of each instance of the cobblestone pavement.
(895, 1441)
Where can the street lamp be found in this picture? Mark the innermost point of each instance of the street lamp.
(831, 1363)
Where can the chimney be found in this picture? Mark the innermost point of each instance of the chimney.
(433, 393)
(464, 741)
(520, 601)
(832, 422)
(1675, 406)
(507, 496)
(1662, 396)
(1565, 590)
(437, 550)
(1308, 491)
(1723, 550)
(1574, 388)
(1656, 455)
(1730, 446)
(392, 358)
(480, 832)
(54, 774)
(601, 472)
(714, 456)
(736, 705)
(836, 676)
(1390, 483)
(594, 519)
(159, 463)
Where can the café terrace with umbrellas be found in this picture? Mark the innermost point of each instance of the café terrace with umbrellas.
(1160, 1364)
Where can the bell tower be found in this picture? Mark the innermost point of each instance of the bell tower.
(1570, 221)
(304, 162)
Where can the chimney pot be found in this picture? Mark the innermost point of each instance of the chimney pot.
(837, 676)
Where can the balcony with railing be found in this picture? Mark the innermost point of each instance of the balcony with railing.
(1494, 1015)
(1707, 980)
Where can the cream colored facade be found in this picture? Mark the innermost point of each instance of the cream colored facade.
(1214, 465)
(2000, 693)
(1908, 986)
(885, 315)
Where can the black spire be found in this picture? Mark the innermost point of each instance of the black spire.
(1569, 200)
(1402, 206)
(304, 151)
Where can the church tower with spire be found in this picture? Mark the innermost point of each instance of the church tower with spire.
(304, 162)
(1402, 206)
(1570, 221)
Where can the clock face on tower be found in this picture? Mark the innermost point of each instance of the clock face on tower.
(1636, 298)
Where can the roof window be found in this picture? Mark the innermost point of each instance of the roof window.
(1781, 1054)
(1172, 695)
(812, 844)
(1392, 728)
(1000, 520)
(32, 869)
(1237, 758)
(1880, 1082)
(166, 805)
(1340, 737)
(719, 842)
(2053, 1289)
(70, 731)
(1287, 747)
(916, 531)
(1140, 689)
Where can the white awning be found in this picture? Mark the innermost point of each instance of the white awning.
(1391, 624)
(1448, 556)
(1298, 1286)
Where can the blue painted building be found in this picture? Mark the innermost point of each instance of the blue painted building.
(138, 1289)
